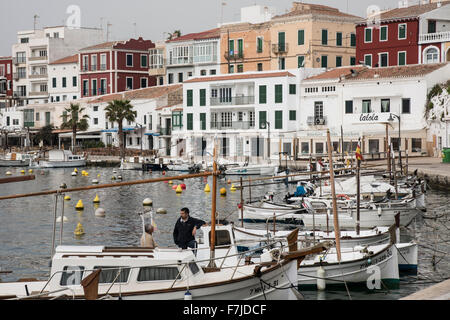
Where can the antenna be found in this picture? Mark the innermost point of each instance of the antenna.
(35, 21)
(135, 30)
(108, 25)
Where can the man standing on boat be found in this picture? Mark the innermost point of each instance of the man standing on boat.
(147, 240)
(186, 229)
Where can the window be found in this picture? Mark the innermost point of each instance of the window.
(353, 40)
(385, 105)
(56, 35)
(158, 274)
(262, 119)
(292, 89)
(71, 275)
(262, 94)
(24, 40)
(431, 55)
(278, 93)
(301, 61)
(180, 77)
(202, 97)
(416, 145)
(281, 41)
(352, 61)
(94, 87)
(95, 120)
(368, 60)
(406, 105)
(95, 109)
(383, 33)
(402, 58)
(130, 141)
(129, 60)
(349, 106)
(339, 39)
(402, 31)
(129, 83)
(170, 78)
(38, 116)
(368, 35)
(94, 62)
(202, 121)
(231, 69)
(366, 106)
(190, 121)
(203, 72)
(301, 37)
(240, 68)
(324, 60)
(85, 87)
(374, 145)
(144, 61)
(324, 37)
(231, 46)
(292, 115)
(260, 42)
(240, 48)
(85, 63)
(144, 82)
(278, 119)
(212, 72)
(193, 266)
(338, 61)
(431, 26)
(74, 81)
(384, 60)
(103, 62)
(54, 82)
(282, 63)
(64, 82)
(319, 147)
(318, 110)
(305, 147)
(260, 67)
(190, 98)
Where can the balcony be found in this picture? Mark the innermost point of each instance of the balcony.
(18, 76)
(234, 55)
(38, 76)
(165, 131)
(103, 67)
(181, 61)
(157, 71)
(38, 93)
(316, 121)
(434, 37)
(280, 48)
(37, 58)
(19, 94)
(233, 125)
(94, 67)
(19, 60)
(233, 101)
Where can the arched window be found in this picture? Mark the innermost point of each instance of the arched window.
(431, 55)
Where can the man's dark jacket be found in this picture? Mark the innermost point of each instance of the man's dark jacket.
(182, 234)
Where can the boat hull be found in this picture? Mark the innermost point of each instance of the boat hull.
(14, 163)
(130, 166)
(407, 257)
(59, 164)
(263, 171)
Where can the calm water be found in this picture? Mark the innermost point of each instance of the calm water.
(27, 223)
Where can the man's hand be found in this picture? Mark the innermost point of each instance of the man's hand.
(194, 231)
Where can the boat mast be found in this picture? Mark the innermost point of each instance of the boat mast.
(333, 193)
(212, 241)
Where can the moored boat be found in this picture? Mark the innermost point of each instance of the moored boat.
(60, 159)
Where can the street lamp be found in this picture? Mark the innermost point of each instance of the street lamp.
(263, 126)
(399, 138)
(137, 127)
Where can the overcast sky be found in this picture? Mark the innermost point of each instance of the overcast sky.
(152, 17)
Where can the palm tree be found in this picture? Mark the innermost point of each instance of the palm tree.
(117, 111)
(174, 35)
(72, 120)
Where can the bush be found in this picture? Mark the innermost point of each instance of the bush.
(93, 144)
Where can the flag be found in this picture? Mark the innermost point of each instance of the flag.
(320, 162)
(358, 153)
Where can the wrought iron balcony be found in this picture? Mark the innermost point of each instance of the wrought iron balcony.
(232, 125)
(233, 101)
(316, 121)
(279, 48)
(19, 94)
(165, 131)
(19, 60)
(234, 55)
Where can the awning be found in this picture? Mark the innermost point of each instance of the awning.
(123, 129)
(152, 134)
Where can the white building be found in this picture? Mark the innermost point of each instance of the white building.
(252, 116)
(34, 51)
(360, 100)
(63, 75)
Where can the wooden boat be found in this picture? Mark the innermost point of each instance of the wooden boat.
(14, 159)
(264, 170)
(407, 257)
(60, 159)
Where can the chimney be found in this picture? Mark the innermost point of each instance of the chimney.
(403, 4)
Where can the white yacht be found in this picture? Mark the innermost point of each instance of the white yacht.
(60, 159)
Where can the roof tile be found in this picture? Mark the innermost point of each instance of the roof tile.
(242, 76)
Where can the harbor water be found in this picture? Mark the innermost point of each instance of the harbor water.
(27, 223)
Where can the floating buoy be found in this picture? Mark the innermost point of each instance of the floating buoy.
(175, 187)
(22, 171)
(100, 212)
(187, 295)
(97, 199)
(161, 211)
(321, 284)
(147, 202)
(183, 186)
(8, 173)
(64, 219)
(233, 188)
(179, 189)
(79, 230)
(170, 182)
(163, 173)
(119, 177)
(229, 181)
(67, 198)
(223, 192)
(95, 181)
(79, 205)
(74, 174)
(30, 171)
(113, 178)
(75, 170)
(207, 188)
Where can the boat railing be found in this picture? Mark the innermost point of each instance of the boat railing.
(43, 294)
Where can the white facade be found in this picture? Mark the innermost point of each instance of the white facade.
(63, 82)
(34, 51)
(255, 14)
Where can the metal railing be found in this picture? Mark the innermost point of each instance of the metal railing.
(435, 37)
(165, 131)
(316, 121)
(236, 101)
(37, 58)
(234, 55)
(103, 67)
(232, 125)
(38, 75)
(18, 60)
(280, 48)
(19, 94)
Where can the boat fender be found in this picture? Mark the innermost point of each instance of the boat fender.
(147, 202)
(100, 212)
(321, 283)
(187, 295)
(380, 211)
(346, 197)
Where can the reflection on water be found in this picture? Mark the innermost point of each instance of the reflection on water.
(27, 223)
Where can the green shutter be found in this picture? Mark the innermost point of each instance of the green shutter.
(402, 59)
(278, 93)
(368, 37)
(202, 97)
(203, 121)
(402, 31)
(352, 61)
(324, 37)
(260, 45)
(338, 61)
(339, 39)
(262, 94)
(262, 120)
(383, 35)
(190, 98)
(292, 115)
(353, 40)
(231, 47)
(281, 41)
(301, 61)
(301, 37)
(278, 119)
(241, 47)
(324, 62)
(292, 89)
(190, 121)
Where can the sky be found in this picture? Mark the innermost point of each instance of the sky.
(150, 19)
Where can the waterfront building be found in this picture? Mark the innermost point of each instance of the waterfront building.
(406, 35)
(360, 100)
(34, 51)
(115, 66)
(63, 75)
(6, 82)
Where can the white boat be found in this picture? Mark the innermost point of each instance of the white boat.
(179, 166)
(263, 212)
(60, 159)
(131, 163)
(263, 170)
(14, 159)
(407, 257)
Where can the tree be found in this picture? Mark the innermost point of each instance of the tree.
(117, 111)
(45, 135)
(174, 35)
(72, 120)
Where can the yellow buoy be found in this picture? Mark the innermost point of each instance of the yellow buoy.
(76, 170)
(79, 205)
(79, 230)
(30, 171)
(179, 189)
(98, 176)
(67, 198)
(22, 171)
(170, 182)
(207, 188)
(97, 199)
(223, 192)
(233, 188)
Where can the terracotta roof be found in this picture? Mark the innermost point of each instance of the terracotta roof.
(71, 59)
(242, 76)
(168, 106)
(409, 12)
(300, 9)
(104, 45)
(178, 109)
(209, 34)
(366, 73)
(147, 93)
